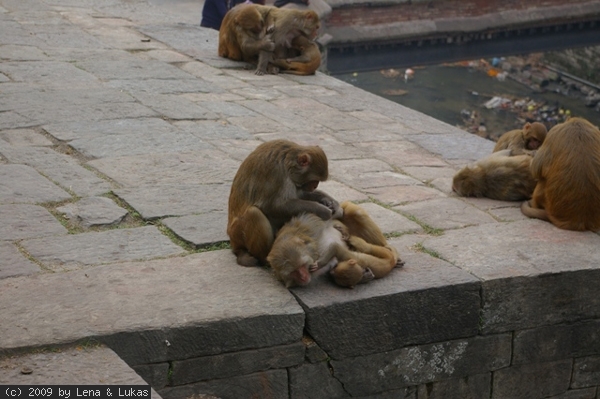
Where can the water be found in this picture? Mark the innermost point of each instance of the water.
(444, 91)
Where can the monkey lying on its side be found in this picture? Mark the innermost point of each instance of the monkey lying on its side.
(307, 244)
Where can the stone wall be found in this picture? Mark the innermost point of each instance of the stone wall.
(430, 330)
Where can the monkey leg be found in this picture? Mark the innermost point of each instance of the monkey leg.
(380, 260)
(349, 273)
(360, 224)
(251, 237)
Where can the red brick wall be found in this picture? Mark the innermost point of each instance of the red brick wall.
(365, 15)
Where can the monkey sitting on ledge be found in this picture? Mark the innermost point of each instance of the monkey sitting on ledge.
(523, 141)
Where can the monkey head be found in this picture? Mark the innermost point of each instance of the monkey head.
(469, 182)
(349, 273)
(534, 135)
(250, 19)
(311, 25)
(292, 258)
(307, 168)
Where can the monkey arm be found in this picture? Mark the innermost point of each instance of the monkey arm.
(322, 198)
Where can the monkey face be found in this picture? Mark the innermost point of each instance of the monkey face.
(532, 143)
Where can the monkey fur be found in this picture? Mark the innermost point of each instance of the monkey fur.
(523, 141)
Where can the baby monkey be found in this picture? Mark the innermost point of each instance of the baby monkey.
(523, 141)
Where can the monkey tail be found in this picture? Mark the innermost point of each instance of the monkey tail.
(531, 212)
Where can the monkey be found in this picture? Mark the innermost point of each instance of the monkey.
(277, 181)
(358, 223)
(243, 34)
(288, 24)
(306, 63)
(523, 141)
(308, 243)
(498, 176)
(567, 170)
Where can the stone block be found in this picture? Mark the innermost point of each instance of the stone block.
(313, 353)
(586, 372)
(472, 387)
(445, 213)
(200, 230)
(236, 363)
(205, 165)
(266, 384)
(586, 393)
(423, 364)
(21, 221)
(556, 342)
(213, 306)
(157, 374)
(23, 184)
(169, 200)
(527, 302)
(75, 251)
(389, 221)
(174, 106)
(398, 195)
(538, 380)
(315, 381)
(213, 130)
(456, 144)
(368, 319)
(24, 137)
(94, 211)
(13, 263)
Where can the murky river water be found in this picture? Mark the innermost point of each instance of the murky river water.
(444, 91)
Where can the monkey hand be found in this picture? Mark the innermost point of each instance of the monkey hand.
(367, 276)
(313, 267)
(336, 211)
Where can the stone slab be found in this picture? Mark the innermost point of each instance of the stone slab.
(131, 68)
(21, 221)
(267, 384)
(519, 249)
(445, 213)
(14, 263)
(237, 363)
(206, 165)
(389, 221)
(538, 380)
(49, 74)
(24, 137)
(367, 319)
(94, 365)
(60, 168)
(471, 387)
(93, 211)
(556, 342)
(415, 365)
(164, 86)
(305, 377)
(77, 251)
(214, 306)
(399, 195)
(200, 230)
(586, 372)
(68, 131)
(213, 130)
(23, 184)
(455, 145)
(173, 106)
(170, 200)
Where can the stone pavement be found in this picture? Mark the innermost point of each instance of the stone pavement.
(120, 133)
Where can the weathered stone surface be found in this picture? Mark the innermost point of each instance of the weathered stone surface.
(213, 130)
(76, 251)
(527, 302)
(60, 168)
(94, 211)
(389, 221)
(49, 74)
(304, 379)
(69, 366)
(21, 183)
(24, 137)
(471, 387)
(397, 195)
(27, 221)
(340, 320)
(14, 52)
(457, 144)
(157, 374)
(586, 372)
(214, 306)
(587, 393)
(342, 192)
(446, 213)
(313, 353)
(237, 363)
(13, 263)
(285, 117)
(267, 384)
(538, 380)
(164, 86)
(200, 230)
(173, 106)
(556, 342)
(402, 153)
(423, 364)
(205, 166)
(524, 248)
(131, 68)
(155, 202)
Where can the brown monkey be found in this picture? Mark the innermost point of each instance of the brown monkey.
(243, 34)
(567, 169)
(287, 25)
(498, 176)
(306, 63)
(523, 141)
(307, 243)
(276, 181)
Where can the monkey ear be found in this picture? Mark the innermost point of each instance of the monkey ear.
(304, 160)
(527, 126)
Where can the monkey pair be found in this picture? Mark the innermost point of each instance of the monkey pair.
(506, 174)
(353, 250)
(272, 38)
